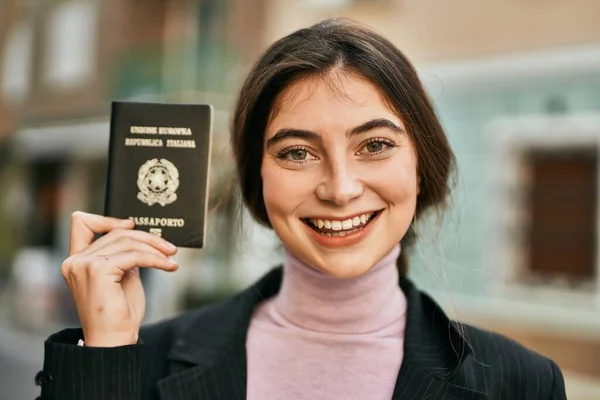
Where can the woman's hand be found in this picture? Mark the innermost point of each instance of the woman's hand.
(104, 279)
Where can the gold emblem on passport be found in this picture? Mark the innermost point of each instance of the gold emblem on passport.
(158, 181)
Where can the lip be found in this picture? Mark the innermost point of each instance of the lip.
(336, 218)
(350, 239)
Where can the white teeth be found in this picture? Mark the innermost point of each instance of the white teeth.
(336, 225)
(347, 224)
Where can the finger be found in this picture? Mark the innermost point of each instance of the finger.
(125, 244)
(141, 236)
(85, 225)
(131, 259)
(81, 268)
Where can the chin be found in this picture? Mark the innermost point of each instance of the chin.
(342, 263)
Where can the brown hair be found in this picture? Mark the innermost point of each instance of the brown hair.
(317, 50)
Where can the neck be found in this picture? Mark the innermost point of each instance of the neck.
(314, 301)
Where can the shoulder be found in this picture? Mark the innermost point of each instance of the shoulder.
(498, 350)
(165, 332)
(232, 312)
(513, 368)
(481, 360)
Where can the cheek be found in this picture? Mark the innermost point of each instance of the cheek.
(401, 194)
(284, 190)
(397, 183)
(271, 189)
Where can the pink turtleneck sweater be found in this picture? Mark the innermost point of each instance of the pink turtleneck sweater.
(323, 338)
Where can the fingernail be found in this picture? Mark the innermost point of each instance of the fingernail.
(175, 263)
(171, 245)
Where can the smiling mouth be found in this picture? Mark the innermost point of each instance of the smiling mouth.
(339, 228)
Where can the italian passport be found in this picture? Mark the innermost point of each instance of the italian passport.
(158, 168)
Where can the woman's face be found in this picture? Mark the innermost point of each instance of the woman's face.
(339, 174)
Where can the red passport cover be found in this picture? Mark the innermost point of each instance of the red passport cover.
(158, 168)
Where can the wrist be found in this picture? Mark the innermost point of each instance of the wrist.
(110, 340)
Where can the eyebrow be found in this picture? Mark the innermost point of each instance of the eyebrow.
(310, 135)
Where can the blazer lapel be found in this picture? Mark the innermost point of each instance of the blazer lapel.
(208, 360)
(435, 354)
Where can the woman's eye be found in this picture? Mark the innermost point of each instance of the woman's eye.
(295, 154)
(374, 147)
(377, 147)
(298, 154)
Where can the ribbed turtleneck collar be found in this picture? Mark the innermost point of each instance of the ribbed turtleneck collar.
(315, 301)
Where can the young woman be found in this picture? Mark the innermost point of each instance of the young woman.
(337, 149)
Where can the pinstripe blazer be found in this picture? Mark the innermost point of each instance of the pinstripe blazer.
(201, 355)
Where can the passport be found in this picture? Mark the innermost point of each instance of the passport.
(158, 168)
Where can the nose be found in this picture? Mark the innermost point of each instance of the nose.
(340, 186)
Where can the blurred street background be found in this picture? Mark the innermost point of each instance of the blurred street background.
(516, 84)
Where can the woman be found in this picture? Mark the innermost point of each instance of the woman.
(338, 150)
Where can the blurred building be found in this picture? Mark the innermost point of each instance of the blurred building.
(516, 84)
(62, 62)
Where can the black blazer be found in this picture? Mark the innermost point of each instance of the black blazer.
(201, 355)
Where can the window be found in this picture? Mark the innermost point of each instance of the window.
(562, 211)
(16, 60)
(46, 187)
(70, 44)
(544, 204)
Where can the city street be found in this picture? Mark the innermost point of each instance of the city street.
(21, 357)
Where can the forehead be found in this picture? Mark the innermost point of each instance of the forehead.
(337, 99)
